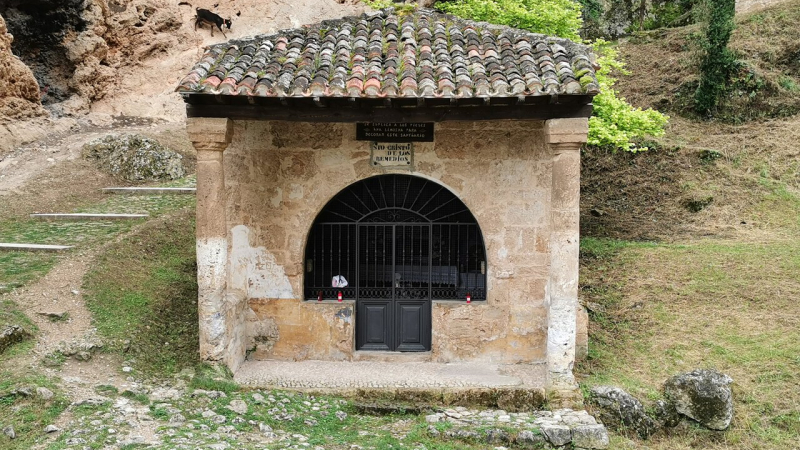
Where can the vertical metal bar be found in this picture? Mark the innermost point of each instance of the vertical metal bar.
(358, 261)
(430, 267)
(458, 258)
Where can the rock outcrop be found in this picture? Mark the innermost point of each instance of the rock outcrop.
(135, 158)
(19, 91)
(10, 335)
(703, 395)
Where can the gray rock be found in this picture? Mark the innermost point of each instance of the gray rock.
(51, 429)
(590, 437)
(9, 431)
(703, 395)
(264, 428)
(238, 406)
(135, 157)
(665, 414)
(10, 335)
(54, 315)
(530, 439)
(44, 393)
(433, 418)
(341, 415)
(497, 436)
(557, 435)
(620, 409)
(83, 356)
(462, 434)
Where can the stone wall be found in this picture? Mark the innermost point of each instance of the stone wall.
(279, 175)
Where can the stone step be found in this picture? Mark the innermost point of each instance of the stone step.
(87, 216)
(150, 190)
(33, 247)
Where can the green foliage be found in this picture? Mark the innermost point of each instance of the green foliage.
(718, 62)
(550, 17)
(615, 122)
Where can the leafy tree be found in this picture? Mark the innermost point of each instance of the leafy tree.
(718, 62)
(550, 17)
(615, 124)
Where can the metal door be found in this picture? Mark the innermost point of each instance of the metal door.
(393, 304)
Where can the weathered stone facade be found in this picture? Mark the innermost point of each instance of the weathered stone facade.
(519, 179)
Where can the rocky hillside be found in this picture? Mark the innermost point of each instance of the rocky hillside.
(95, 59)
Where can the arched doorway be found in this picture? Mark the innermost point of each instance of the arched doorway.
(393, 243)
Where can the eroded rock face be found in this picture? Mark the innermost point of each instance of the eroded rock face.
(703, 395)
(618, 408)
(19, 91)
(135, 157)
(76, 47)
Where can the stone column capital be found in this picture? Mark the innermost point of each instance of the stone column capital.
(566, 134)
(209, 134)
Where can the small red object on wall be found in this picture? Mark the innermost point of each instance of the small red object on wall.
(319, 296)
(340, 296)
(469, 298)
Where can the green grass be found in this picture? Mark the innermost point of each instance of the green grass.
(144, 289)
(709, 304)
(27, 414)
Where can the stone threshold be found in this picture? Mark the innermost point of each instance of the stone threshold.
(149, 190)
(87, 216)
(514, 387)
(33, 247)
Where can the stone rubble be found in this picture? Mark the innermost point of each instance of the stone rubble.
(559, 428)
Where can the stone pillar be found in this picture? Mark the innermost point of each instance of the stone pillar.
(210, 138)
(564, 137)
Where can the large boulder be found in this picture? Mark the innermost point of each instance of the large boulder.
(135, 158)
(619, 409)
(703, 395)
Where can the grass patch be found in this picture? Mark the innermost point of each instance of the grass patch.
(27, 414)
(144, 289)
(710, 304)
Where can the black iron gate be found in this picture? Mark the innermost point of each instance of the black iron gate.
(394, 243)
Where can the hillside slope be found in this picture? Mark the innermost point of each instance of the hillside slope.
(733, 177)
(717, 204)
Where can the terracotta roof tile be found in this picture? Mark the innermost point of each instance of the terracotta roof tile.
(384, 54)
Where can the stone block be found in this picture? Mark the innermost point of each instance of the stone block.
(590, 437)
(557, 435)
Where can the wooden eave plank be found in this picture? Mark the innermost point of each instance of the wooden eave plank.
(345, 109)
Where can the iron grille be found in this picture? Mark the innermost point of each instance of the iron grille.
(395, 237)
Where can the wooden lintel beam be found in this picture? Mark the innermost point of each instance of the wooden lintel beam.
(382, 114)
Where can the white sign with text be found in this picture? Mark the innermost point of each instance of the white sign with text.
(387, 154)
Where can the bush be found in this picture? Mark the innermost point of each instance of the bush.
(550, 17)
(615, 123)
(718, 62)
